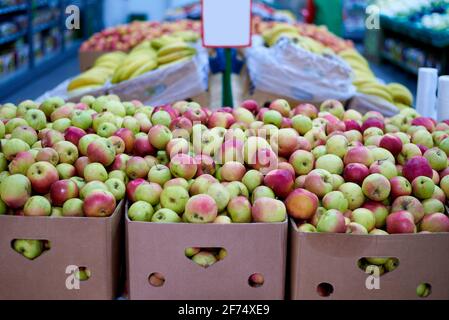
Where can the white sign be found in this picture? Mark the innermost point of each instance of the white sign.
(226, 23)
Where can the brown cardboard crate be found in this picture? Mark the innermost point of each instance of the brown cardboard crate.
(332, 258)
(252, 248)
(94, 243)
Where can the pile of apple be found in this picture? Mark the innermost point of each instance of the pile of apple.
(126, 37)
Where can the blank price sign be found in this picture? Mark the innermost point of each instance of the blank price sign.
(226, 23)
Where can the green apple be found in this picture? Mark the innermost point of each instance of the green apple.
(262, 192)
(423, 188)
(73, 208)
(36, 119)
(220, 194)
(335, 200)
(302, 124)
(117, 188)
(13, 146)
(237, 189)
(61, 125)
(25, 133)
(364, 217)
(273, 117)
(30, 249)
(82, 119)
(159, 174)
(174, 198)
(433, 206)
(141, 211)
(331, 163)
(161, 118)
(166, 216)
(252, 179)
(14, 123)
(95, 172)
(337, 145)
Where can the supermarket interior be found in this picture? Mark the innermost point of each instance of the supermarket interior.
(321, 169)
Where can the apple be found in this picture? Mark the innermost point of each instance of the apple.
(15, 190)
(201, 209)
(14, 146)
(67, 152)
(196, 115)
(118, 144)
(30, 249)
(20, 164)
(392, 143)
(165, 216)
(376, 187)
(174, 198)
(319, 182)
(117, 188)
(42, 175)
(84, 142)
(433, 206)
(331, 163)
(95, 172)
(411, 205)
(385, 168)
(159, 136)
(400, 222)
(400, 186)
(137, 168)
(423, 137)
(99, 203)
(334, 200)
(423, 188)
(287, 142)
(364, 217)
(131, 123)
(307, 228)
(436, 158)
(356, 228)
(181, 182)
(202, 184)
(73, 208)
(302, 124)
(273, 117)
(281, 106)
(280, 181)
(361, 155)
(233, 171)
(204, 259)
(252, 179)
(267, 210)
(373, 123)
(251, 105)
(128, 137)
(63, 190)
(51, 104)
(416, 167)
(239, 209)
(337, 145)
(435, 222)
(120, 162)
(66, 171)
(140, 211)
(334, 107)
(220, 194)
(308, 110)
(355, 172)
(225, 120)
(380, 212)
(302, 204)
(409, 151)
(81, 119)
(332, 221)
(61, 124)
(222, 220)
(26, 134)
(37, 206)
(101, 151)
(354, 194)
(159, 174)
(262, 192)
(74, 135)
(11, 124)
(183, 166)
(161, 118)
(36, 119)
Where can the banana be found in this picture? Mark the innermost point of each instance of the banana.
(174, 56)
(165, 65)
(270, 35)
(85, 80)
(131, 68)
(149, 66)
(163, 41)
(373, 91)
(175, 47)
(400, 94)
(188, 36)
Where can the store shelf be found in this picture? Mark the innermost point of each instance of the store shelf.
(12, 37)
(13, 9)
(45, 26)
(398, 63)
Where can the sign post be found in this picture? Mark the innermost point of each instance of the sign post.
(227, 24)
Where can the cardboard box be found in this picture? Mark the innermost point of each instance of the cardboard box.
(252, 248)
(332, 259)
(94, 243)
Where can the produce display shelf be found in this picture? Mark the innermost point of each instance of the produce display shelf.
(399, 63)
(12, 37)
(45, 26)
(12, 9)
(439, 39)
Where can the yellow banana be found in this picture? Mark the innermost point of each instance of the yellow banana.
(165, 65)
(174, 47)
(376, 92)
(149, 66)
(174, 56)
(400, 93)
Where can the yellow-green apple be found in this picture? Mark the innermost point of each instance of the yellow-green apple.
(61, 124)
(423, 137)
(36, 119)
(65, 111)
(302, 124)
(99, 204)
(159, 174)
(84, 142)
(128, 137)
(391, 264)
(140, 211)
(307, 228)
(337, 145)
(378, 232)
(237, 189)
(117, 188)
(331, 163)
(376, 187)
(332, 221)
(379, 210)
(148, 192)
(181, 182)
(73, 208)
(233, 171)
(364, 217)
(280, 181)
(42, 175)
(15, 190)
(239, 210)
(436, 177)
(144, 122)
(204, 259)
(435, 222)
(411, 205)
(262, 192)
(400, 186)
(201, 209)
(165, 215)
(81, 119)
(433, 206)
(252, 179)
(26, 134)
(8, 111)
(37, 206)
(66, 171)
(159, 136)
(101, 151)
(30, 249)
(67, 152)
(63, 190)
(385, 168)
(137, 168)
(202, 184)
(354, 194)
(356, 228)
(95, 172)
(223, 119)
(302, 204)
(423, 188)
(400, 222)
(174, 198)
(334, 107)
(14, 146)
(151, 161)
(51, 104)
(444, 185)
(79, 182)
(220, 194)
(161, 117)
(14, 123)
(436, 158)
(316, 137)
(222, 220)
(409, 151)
(21, 163)
(355, 172)
(281, 106)
(335, 200)
(272, 117)
(423, 290)
(361, 155)
(183, 166)
(267, 210)
(131, 123)
(320, 182)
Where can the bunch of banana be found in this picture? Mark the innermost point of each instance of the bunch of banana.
(365, 81)
(272, 36)
(140, 61)
(163, 41)
(99, 74)
(174, 52)
(187, 36)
